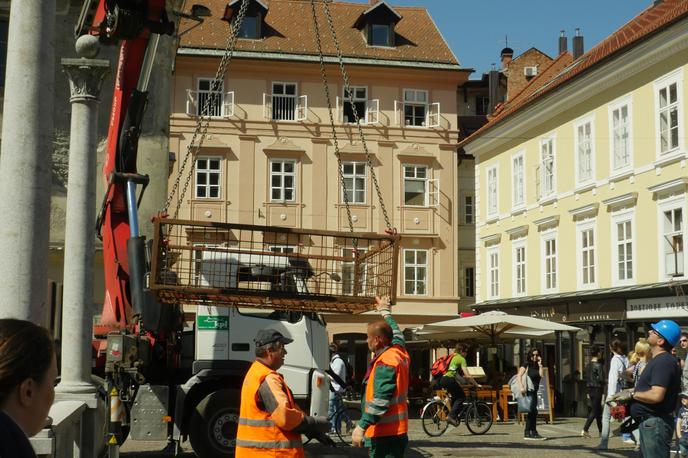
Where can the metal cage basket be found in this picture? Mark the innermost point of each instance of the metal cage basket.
(274, 267)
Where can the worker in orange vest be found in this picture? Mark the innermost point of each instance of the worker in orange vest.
(270, 422)
(384, 418)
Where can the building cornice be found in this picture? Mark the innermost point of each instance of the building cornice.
(585, 211)
(678, 185)
(491, 239)
(590, 84)
(547, 222)
(518, 232)
(202, 52)
(624, 200)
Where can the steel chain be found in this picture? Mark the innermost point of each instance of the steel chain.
(348, 93)
(204, 119)
(328, 98)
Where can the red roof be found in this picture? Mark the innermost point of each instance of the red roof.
(563, 69)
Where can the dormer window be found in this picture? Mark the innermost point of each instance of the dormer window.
(381, 35)
(251, 27)
(377, 24)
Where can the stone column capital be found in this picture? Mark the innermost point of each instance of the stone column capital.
(85, 77)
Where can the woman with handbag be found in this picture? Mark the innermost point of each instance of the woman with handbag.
(529, 375)
(615, 383)
(594, 382)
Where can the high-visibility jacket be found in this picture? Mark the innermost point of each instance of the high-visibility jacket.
(394, 421)
(258, 435)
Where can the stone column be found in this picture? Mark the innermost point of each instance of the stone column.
(86, 76)
(26, 160)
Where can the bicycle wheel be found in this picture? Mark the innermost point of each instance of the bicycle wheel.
(434, 418)
(478, 418)
(346, 420)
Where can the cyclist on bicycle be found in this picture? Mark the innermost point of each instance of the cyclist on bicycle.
(457, 375)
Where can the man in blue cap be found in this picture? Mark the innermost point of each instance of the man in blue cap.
(655, 395)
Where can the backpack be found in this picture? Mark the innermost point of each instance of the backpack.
(440, 366)
(349, 382)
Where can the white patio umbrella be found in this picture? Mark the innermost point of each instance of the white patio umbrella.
(493, 325)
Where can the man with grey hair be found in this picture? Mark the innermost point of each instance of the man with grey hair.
(269, 418)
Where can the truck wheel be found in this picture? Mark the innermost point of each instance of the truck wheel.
(213, 424)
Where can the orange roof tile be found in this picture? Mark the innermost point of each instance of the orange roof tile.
(563, 68)
(291, 31)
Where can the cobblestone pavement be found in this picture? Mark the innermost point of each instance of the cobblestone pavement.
(504, 439)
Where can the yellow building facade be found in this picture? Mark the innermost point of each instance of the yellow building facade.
(269, 155)
(581, 185)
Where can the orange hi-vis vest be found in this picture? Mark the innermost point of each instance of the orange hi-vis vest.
(257, 435)
(395, 420)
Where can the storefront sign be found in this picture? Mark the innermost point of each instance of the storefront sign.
(657, 307)
(596, 311)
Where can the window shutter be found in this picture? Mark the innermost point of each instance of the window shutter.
(267, 106)
(373, 111)
(339, 107)
(302, 108)
(433, 117)
(397, 106)
(191, 103)
(434, 192)
(228, 105)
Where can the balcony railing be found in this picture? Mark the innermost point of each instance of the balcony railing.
(221, 107)
(431, 118)
(278, 107)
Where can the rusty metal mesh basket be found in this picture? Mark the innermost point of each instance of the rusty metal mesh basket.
(264, 266)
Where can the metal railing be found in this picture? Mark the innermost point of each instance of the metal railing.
(278, 107)
(221, 107)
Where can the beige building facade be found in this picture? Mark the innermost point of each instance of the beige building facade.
(269, 155)
(581, 188)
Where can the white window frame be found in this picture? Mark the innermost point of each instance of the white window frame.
(282, 249)
(518, 180)
(670, 204)
(492, 181)
(619, 218)
(416, 266)
(355, 177)
(618, 105)
(582, 227)
(300, 112)
(577, 148)
(282, 174)
(492, 283)
(347, 283)
(431, 186)
(519, 276)
(546, 193)
(466, 207)
(469, 289)
(433, 112)
(546, 239)
(225, 103)
(341, 104)
(208, 172)
(675, 77)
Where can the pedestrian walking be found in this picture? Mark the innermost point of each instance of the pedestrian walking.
(452, 380)
(338, 375)
(594, 383)
(615, 383)
(270, 422)
(654, 398)
(684, 373)
(529, 375)
(384, 418)
(640, 356)
(28, 370)
(682, 425)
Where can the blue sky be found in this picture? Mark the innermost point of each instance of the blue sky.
(476, 30)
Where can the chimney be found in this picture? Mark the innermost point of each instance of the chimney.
(563, 42)
(578, 49)
(507, 55)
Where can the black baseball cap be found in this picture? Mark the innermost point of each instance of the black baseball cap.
(266, 336)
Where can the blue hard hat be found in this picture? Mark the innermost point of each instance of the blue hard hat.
(669, 330)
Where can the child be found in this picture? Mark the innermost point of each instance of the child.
(682, 424)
